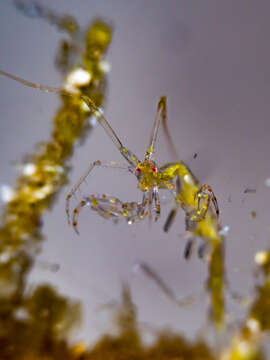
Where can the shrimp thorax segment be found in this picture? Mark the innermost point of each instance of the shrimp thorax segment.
(148, 175)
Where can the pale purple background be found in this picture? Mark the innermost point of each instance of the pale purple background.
(211, 58)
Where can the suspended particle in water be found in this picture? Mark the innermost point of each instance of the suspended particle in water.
(249, 191)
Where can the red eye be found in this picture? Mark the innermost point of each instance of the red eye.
(138, 169)
(155, 170)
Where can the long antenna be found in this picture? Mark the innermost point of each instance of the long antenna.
(153, 138)
(89, 102)
(168, 136)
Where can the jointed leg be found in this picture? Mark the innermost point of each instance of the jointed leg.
(82, 179)
(185, 185)
(202, 249)
(173, 212)
(76, 212)
(106, 206)
(170, 219)
(153, 204)
(109, 207)
(142, 213)
(156, 203)
(189, 247)
(205, 196)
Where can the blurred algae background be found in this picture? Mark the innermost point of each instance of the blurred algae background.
(37, 320)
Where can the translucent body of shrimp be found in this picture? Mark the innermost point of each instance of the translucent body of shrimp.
(175, 177)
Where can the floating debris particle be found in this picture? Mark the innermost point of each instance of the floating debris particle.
(249, 191)
(253, 214)
(195, 155)
(224, 231)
